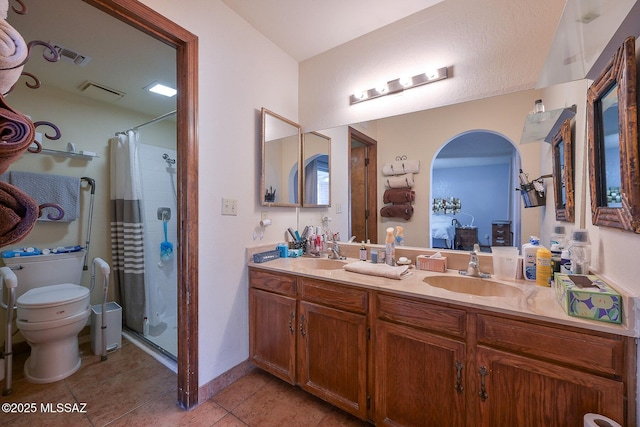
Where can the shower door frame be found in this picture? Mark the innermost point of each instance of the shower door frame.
(157, 26)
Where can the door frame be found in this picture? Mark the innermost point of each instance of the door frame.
(372, 181)
(145, 19)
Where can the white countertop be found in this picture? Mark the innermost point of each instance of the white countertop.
(535, 302)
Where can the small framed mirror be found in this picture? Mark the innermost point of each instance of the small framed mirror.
(316, 177)
(612, 133)
(280, 180)
(562, 150)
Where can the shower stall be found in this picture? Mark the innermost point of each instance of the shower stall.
(158, 179)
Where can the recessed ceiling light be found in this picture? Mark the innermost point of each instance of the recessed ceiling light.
(162, 89)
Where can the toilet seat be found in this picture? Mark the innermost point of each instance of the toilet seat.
(51, 303)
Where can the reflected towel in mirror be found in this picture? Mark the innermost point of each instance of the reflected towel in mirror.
(397, 211)
(398, 195)
(401, 181)
(401, 167)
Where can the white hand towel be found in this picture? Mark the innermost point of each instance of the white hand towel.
(381, 270)
(400, 167)
(4, 8)
(13, 51)
(401, 181)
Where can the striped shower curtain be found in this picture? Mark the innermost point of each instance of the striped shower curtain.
(127, 229)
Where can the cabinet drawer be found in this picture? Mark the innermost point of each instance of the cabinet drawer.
(345, 298)
(597, 353)
(421, 314)
(278, 283)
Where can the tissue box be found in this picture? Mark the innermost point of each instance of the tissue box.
(424, 262)
(588, 297)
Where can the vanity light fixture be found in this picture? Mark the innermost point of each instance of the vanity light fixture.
(400, 84)
(161, 89)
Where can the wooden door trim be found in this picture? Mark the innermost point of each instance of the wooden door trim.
(145, 19)
(372, 178)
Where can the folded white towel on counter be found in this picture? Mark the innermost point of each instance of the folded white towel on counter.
(381, 270)
(4, 8)
(400, 167)
(401, 181)
(13, 51)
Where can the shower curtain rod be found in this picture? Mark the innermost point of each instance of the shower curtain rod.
(150, 122)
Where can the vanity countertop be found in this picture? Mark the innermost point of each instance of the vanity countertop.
(536, 302)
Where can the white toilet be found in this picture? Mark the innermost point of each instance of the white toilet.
(52, 308)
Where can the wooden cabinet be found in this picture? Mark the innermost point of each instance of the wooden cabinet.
(272, 324)
(332, 346)
(398, 360)
(501, 233)
(466, 237)
(313, 334)
(536, 375)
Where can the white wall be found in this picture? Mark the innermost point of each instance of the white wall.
(408, 48)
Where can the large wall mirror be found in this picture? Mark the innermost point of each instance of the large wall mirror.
(562, 149)
(316, 177)
(280, 181)
(612, 131)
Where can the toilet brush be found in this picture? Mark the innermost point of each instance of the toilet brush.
(166, 247)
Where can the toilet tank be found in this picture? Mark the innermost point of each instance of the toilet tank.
(35, 271)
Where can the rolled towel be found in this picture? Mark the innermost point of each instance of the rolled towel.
(400, 181)
(4, 8)
(400, 167)
(19, 213)
(16, 134)
(381, 270)
(398, 195)
(397, 211)
(13, 52)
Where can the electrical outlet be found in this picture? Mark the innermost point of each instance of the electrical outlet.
(229, 206)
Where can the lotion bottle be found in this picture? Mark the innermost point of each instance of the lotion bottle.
(363, 252)
(543, 266)
(529, 252)
(389, 247)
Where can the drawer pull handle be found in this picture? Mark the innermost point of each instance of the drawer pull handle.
(302, 331)
(291, 329)
(459, 387)
(483, 390)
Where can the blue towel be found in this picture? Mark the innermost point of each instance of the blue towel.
(46, 188)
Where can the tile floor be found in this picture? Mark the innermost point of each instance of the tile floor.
(132, 388)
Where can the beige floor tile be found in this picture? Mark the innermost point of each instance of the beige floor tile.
(280, 404)
(163, 411)
(229, 421)
(241, 389)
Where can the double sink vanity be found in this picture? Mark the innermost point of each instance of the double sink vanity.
(437, 348)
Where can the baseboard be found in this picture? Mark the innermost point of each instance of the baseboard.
(213, 387)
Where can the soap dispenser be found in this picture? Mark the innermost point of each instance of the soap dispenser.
(363, 252)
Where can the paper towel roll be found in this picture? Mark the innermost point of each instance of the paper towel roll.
(265, 222)
(595, 420)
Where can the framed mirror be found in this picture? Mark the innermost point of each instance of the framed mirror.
(562, 151)
(280, 180)
(612, 133)
(316, 177)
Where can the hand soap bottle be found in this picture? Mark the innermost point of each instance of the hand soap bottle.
(363, 252)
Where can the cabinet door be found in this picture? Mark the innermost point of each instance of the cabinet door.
(420, 378)
(272, 337)
(332, 351)
(522, 392)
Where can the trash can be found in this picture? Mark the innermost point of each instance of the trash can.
(114, 327)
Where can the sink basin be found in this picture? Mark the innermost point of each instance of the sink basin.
(320, 263)
(473, 286)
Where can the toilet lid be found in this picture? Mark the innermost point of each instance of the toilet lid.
(48, 296)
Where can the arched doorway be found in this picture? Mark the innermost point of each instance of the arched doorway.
(479, 168)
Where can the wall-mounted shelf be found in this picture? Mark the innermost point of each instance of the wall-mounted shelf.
(68, 154)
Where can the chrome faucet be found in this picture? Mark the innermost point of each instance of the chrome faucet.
(334, 252)
(473, 269)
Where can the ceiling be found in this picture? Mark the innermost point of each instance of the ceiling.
(305, 28)
(126, 60)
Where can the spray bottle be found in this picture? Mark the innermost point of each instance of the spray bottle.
(389, 247)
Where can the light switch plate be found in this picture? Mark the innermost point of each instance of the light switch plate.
(229, 206)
